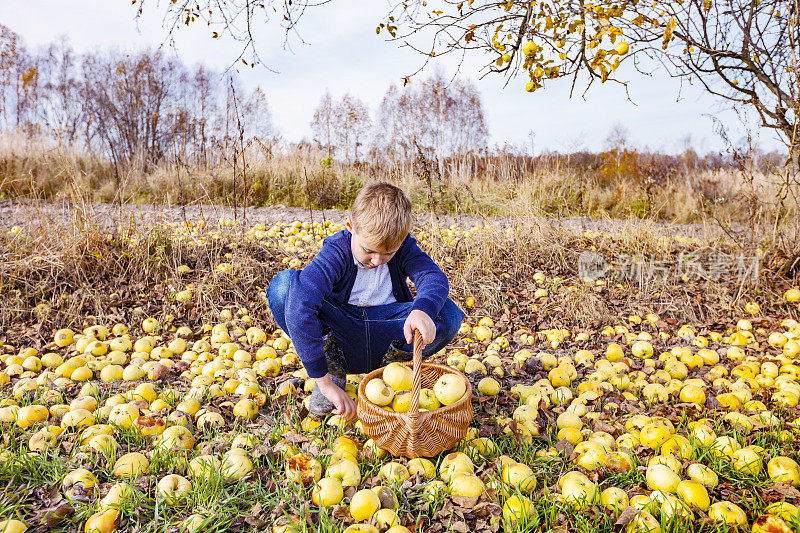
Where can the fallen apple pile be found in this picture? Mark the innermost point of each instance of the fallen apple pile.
(643, 424)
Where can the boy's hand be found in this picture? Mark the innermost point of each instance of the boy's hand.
(344, 406)
(420, 321)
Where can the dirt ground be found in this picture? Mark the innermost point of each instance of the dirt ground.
(24, 213)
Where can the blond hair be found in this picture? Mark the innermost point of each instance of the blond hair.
(382, 213)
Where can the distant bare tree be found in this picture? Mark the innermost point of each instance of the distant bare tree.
(130, 98)
(9, 41)
(442, 119)
(323, 124)
(63, 103)
(257, 117)
(618, 137)
(352, 126)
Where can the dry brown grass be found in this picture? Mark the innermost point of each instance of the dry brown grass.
(62, 273)
(41, 169)
(497, 265)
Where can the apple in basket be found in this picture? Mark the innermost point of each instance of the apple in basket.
(398, 376)
(449, 388)
(378, 392)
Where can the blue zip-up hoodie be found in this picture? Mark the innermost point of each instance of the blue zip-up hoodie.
(332, 273)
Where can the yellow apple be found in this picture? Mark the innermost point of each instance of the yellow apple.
(422, 466)
(378, 392)
(31, 414)
(105, 444)
(394, 472)
(327, 491)
(567, 419)
(693, 494)
(449, 388)
(78, 482)
(41, 441)
(517, 508)
(398, 376)
(727, 512)
(784, 469)
(642, 350)
(401, 402)
(672, 507)
(467, 485)
(661, 477)
(102, 521)
(785, 510)
(195, 523)
(644, 522)
(519, 475)
(580, 493)
(364, 504)
(303, 468)
(454, 464)
(483, 445)
(116, 495)
(489, 386)
(63, 337)
(747, 460)
(149, 425)
(427, 400)
(618, 462)
(346, 471)
(386, 518)
(235, 465)
(792, 295)
(770, 524)
(245, 409)
(614, 499)
(175, 437)
(203, 466)
(693, 394)
(12, 526)
(131, 465)
(654, 434)
(173, 488)
(209, 419)
(124, 415)
(360, 528)
(725, 445)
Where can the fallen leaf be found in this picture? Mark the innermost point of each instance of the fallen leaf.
(627, 516)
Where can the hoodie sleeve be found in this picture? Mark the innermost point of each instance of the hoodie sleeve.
(429, 280)
(304, 301)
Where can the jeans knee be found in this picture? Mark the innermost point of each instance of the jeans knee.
(278, 287)
(452, 316)
(277, 292)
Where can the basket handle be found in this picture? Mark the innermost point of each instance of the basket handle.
(413, 409)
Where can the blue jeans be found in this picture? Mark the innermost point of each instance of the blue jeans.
(365, 333)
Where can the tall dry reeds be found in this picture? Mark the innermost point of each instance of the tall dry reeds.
(609, 185)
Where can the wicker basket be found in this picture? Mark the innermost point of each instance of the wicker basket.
(415, 433)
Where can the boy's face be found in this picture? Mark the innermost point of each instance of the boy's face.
(367, 252)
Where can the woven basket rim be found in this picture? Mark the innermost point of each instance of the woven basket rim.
(465, 398)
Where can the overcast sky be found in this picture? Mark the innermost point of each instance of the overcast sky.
(341, 52)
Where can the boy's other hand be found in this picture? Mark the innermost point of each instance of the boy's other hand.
(344, 406)
(420, 321)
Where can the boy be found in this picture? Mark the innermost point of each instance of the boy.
(351, 311)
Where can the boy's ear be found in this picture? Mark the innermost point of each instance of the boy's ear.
(348, 224)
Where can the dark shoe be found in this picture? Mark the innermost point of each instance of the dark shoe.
(319, 404)
(396, 354)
